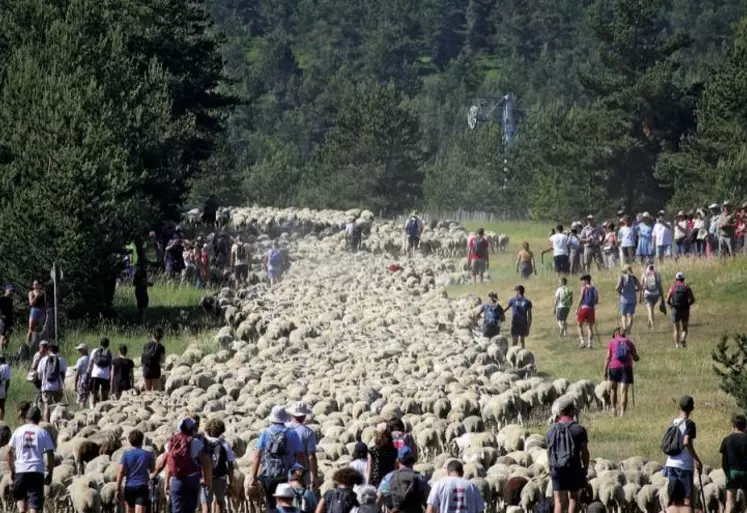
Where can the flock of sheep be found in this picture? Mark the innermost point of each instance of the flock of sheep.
(361, 342)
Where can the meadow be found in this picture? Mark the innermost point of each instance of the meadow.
(663, 373)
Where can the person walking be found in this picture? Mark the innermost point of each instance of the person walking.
(31, 463)
(99, 370)
(381, 457)
(359, 460)
(299, 411)
(562, 305)
(342, 498)
(733, 452)
(662, 235)
(713, 229)
(152, 358)
(240, 260)
(682, 459)
(652, 293)
(626, 235)
(628, 288)
(592, 237)
(569, 462)
(140, 283)
(726, 230)
(223, 460)
(586, 311)
(135, 467)
(35, 371)
(5, 377)
(478, 255)
(454, 493)
(413, 230)
(493, 316)
(82, 382)
(403, 489)
(525, 265)
(559, 246)
(122, 373)
(618, 369)
(274, 260)
(646, 248)
(52, 369)
(189, 468)
(680, 298)
(305, 499)
(521, 316)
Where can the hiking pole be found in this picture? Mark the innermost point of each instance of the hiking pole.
(702, 493)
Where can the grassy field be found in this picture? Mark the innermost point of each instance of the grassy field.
(663, 374)
(173, 307)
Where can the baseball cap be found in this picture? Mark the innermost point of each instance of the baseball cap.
(679, 276)
(43, 343)
(187, 424)
(713, 206)
(404, 453)
(81, 347)
(687, 403)
(284, 491)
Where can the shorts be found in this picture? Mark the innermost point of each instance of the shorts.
(561, 313)
(592, 253)
(240, 271)
(217, 494)
(29, 487)
(491, 331)
(585, 316)
(137, 496)
(121, 387)
(477, 266)
(7, 328)
(652, 299)
(413, 242)
(680, 315)
(151, 372)
(36, 314)
(273, 273)
(664, 251)
(52, 396)
(568, 480)
(561, 264)
(519, 328)
(99, 385)
(736, 480)
(526, 270)
(622, 375)
(683, 476)
(627, 308)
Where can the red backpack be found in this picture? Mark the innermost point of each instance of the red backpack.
(181, 463)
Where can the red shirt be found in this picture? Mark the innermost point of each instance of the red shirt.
(612, 353)
(473, 252)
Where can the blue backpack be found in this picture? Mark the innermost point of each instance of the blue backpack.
(276, 258)
(622, 351)
(491, 319)
(413, 228)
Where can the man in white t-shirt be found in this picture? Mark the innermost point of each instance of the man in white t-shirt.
(455, 494)
(52, 369)
(682, 467)
(240, 261)
(560, 252)
(662, 236)
(29, 446)
(100, 371)
(4, 384)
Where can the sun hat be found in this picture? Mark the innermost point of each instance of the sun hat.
(679, 276)
(727, 203)
(299, 409)
(43, 343)
(278, 415)
(646, 215)
(681, 213)
(284, 491)
(81, 347)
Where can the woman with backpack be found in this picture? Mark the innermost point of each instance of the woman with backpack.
(342, 498)
(382, 456)
(628, 288)
(618, 369)
(651, 293)
(493, 316)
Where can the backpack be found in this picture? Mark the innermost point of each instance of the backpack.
(622, 351)
(413, 228)
(275, 258)
(240, 252)
(561, 446)
(52, 369)
(492, 318)
(219, 458)
(341, 500)
(103, 358)
(180, 461)
(652, 283)
(403, 489)
(679, 296)
(149, 357)
(673, 441)
(566, 297)
(299, 500)
(273, 465)
(481, 248)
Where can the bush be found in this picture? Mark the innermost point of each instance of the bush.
(730, 361)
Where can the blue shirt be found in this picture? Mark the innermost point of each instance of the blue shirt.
(520, 307)
(589, 297)
(293, 447)
(137, 463)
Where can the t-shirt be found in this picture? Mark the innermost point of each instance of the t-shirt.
(4, 378)
(160, 352)
(293, 447)
(455, 495)
(627, 287)
(520, 307)
(589, 296)
(726, 225)
(308, 441)
(30, 443)
(580, 437)
(612, 353)
(662, 234)
(235, 254)
(734, 452)
(626, 234)
(680, 230)
(81, 366)
(559, 244)
(683, 460)
(6, 309)
(592, 235)
(51, 386)
(137, 463)
(100, 372)
(564, 297)
(476, 253)
(122, 369)
(362, 467)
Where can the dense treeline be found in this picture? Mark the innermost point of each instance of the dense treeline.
(620, 103)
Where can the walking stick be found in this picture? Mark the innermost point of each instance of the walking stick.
(702, 493)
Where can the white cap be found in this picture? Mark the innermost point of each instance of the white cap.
(81, 347)
(679, 276)
(284, 491)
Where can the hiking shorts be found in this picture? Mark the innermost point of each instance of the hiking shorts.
(491, 331)
(567, 480)
(679, 315)
(137, 496)
(519, 328)
(413, 242)
(240, 271)
(561, 264)
(52, 396)
(592, 253)
(526, 270)
(561, 313)
(36, 314)
(217, 494)
(29, 487)
(652, 299)
(99, 385)
(206, 495)
(585, 316)
(477, 266)
(736, 480)
(622, 375)
(627, 308)
(683, 476)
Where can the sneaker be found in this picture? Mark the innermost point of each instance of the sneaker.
(677, 345)
(581, 344)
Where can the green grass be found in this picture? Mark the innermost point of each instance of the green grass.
(173, 307)
(663, 374)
